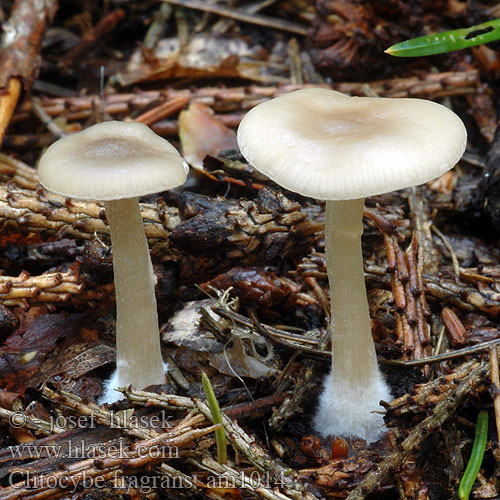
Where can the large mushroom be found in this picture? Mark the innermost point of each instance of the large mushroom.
(116, 162)
(326, 145)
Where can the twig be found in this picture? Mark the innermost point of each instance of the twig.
(97, 413)
(8, 103)
(306, 379)
(134, 458)
(20, 419)
(21, 42)
(239, 15)
(240, 99)
(495, 387)
(453, 255)
(248, 446)
(459, 353)
(229, 477)
(48, 287)
(162, 111)
(92, 37)
(442, 411)
(18, 172)
(46, 120)
(427, 395)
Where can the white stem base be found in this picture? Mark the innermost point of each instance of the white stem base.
(346, 411)
(109, 395)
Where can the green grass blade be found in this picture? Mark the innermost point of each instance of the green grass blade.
(476, 456)
(447, 41)
(220, 437)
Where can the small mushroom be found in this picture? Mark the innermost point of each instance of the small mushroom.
(117, 162)
(326, 145)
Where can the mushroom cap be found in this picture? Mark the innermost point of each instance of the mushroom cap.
(324, 144)
(111, 161)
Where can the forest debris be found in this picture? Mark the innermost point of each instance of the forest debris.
(164, 110)
(461, 295)
(482, 109)
(252, 409)
(201, 134)
(495, 387)
(239, 15)
(303, 383)
(93, 36)
(96, 471)
(488, 185)
(420, 213)
(8, 103)
(240, 99)
(248, 446)
(348, 38)
(444, 356)
(409, 298)
(440, 413)
(19, 57)
(10, 400)
(8, 322)
(99, 414)
(229, 477)
(251, 231)
(184, 329)
(342, 475)
(19, 419)
(261, 289)
(18, 172)
(43, 212)
(454, 326)
(48, 287)
(156, 30)
(427, 395)
(235, 360)
(203, 56)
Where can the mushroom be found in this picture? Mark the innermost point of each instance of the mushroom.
(326, 145)
(116, 162)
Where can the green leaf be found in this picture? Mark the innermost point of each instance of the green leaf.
(220, 437)
(447, 41)
(476, 456)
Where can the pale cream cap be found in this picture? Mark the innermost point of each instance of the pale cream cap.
(111, 161)
(324, 144)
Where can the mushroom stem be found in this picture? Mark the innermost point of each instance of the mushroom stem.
(351, 328)
(138, 352)
(354, 387)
